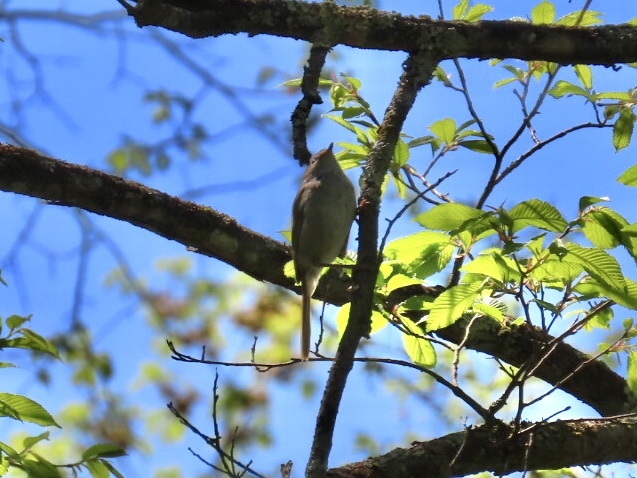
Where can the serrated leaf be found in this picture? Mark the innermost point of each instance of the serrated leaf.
(629, 177)
(623, 129)
(24, 409)
(543, 13)
(602, 267)
(590, 17)
(488, 311)
(419, 350)
(32, 341)
(451, 304)
(476, 12)
(458, 12)
(536, 213)
(401, 153)
(590, 288)
(603, 227)
(492, 264)
(585, 75)
(425, 253)
(563, 88)
(447, 217)
(444, 130)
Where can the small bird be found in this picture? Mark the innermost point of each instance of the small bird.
(322, 216)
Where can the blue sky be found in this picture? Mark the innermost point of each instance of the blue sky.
(94, 85)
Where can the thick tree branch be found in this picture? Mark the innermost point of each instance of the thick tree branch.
(209, 232)
(418, 70)
(368, 28)
(502, 451)
(216, 235)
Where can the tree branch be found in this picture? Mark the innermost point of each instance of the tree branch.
(369, 28)
(216, 235)
(503, 451)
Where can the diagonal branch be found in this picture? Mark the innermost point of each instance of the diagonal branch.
(216, 235)
(418, 70)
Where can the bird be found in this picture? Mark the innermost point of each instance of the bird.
(322, 215)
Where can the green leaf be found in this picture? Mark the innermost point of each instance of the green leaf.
(419, 350)
(629, 177)
(586, 201)
(543, 13)
(629, 239)
(24, 409)
(602, 267)
(29, 442)
(103, 450)
(536, 213)
(32, 341)
(492, 264)
(590, 288)
(585, 75)
(15, 321)
(488, 311)
(40, 468)
(603, 227)
(458, 12)
(623, 129)
(477, 145)
(401, 153)
(631, 372)
(444, 130)
(448, 216)
(590, 17)
(424, 253)
(97, 469)
(342, 316)
(451, 304)
(564, 88)
(476, 12)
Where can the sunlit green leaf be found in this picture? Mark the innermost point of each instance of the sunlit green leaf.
(623, 129)
(419, 350)
(563, 88)
(603, 267)
(447, 217)
(543, 13)
(536, 213)
(585, 75)
(603, 227)
(342, 316)
(24, 409)
(629, 177)
(444, 130)
(586, 201)
(451, 304)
